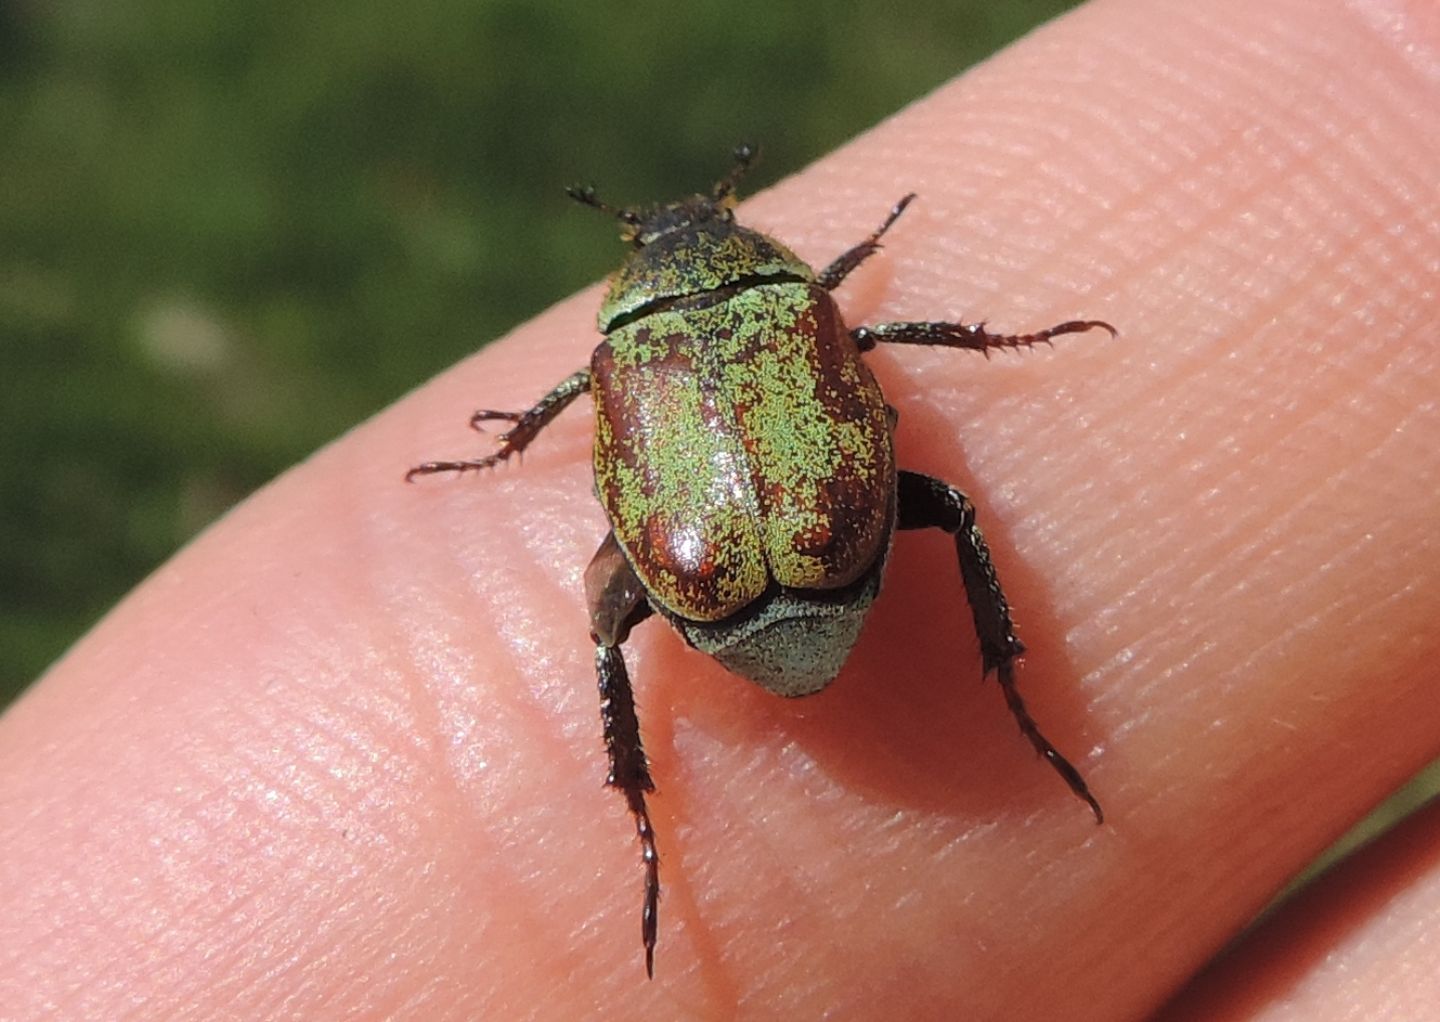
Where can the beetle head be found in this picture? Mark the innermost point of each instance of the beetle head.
(641, 227)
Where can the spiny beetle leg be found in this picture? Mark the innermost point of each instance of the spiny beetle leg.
(925, 502)
(837, 271)
(617, 603)
(527, 425)
(973, 336)
(630, 773)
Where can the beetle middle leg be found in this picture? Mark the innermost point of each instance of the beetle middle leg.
(925, 502)
(617, 603)
(972, 336)
(525, 427)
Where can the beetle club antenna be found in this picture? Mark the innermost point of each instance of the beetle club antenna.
(745, 155)
(585, 195)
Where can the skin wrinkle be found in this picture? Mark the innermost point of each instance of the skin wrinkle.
(1409, 28)
(324, 809)
(483, 801)
(324, 736)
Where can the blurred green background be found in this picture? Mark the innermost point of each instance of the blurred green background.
(228, 232)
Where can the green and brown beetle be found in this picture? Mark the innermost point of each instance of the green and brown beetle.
(744, 458)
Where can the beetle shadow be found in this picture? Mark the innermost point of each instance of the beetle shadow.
(910, 721)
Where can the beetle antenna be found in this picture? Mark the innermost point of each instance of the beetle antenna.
(745, 155)
(585, 195)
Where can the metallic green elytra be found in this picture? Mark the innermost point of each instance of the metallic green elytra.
(744, 457)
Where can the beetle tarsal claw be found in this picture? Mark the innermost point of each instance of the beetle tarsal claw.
(484, 415)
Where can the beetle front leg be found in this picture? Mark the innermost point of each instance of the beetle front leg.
(925, 502)
(973, 336)
(525, 427)
(617, 603)
(837, 271)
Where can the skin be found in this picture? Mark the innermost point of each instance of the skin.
(341, 757)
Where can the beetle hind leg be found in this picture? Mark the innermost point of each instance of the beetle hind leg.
(617, 603)
(925, 502)
(524, 427)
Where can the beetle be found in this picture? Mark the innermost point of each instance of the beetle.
(744, 457)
